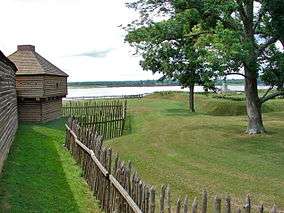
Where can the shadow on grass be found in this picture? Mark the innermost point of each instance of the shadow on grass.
(128, 125)
(180, 112)
(33, 179)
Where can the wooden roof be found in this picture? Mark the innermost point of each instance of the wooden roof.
(29, 62)
(6, 61)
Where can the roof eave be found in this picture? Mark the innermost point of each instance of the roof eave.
(28, 74)
(7, 61)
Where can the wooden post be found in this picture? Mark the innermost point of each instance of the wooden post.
(168, 199)
(108, 197)
(247, 205)
(228, 205)
(185, 204)
(204, 202)
(152, 200)
(147, 197)
(140, 193)
(162, 199)
(273, 210)
(143, 197)
(178, 206)
(194, 206)
(261, 208)
(117, 205)
(217, 205)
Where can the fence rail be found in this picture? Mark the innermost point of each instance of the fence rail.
(119, 189)
(108, 117)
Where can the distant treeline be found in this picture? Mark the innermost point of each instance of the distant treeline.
(236, 82)
(144, 83)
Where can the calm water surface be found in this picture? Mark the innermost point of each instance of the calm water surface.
(119, 91)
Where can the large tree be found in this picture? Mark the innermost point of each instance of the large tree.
(244, 33)
(234, 36)
(166, 49)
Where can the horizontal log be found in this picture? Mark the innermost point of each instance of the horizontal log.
(8, 110)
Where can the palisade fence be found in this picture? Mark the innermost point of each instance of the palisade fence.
(107, 116)
(118, 187)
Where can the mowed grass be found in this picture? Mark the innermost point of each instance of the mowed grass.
(41, 176)
(196, 151)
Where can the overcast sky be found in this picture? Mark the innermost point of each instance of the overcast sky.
(81, 37)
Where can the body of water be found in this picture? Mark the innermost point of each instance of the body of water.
(120, 91)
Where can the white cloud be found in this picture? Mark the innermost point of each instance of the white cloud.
(60, 30)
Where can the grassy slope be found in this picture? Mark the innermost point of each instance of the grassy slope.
(41, 176)
(169, 145)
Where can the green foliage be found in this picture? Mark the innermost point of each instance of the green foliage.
(165, 46)
(228, 33)
(222, 50)
(123, 83)
(273, 71)
(276, 8)
(210, 39)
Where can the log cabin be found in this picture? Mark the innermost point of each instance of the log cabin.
(40, 86)
(8, 106)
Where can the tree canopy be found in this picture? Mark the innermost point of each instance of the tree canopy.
(166, 48)
(217, 37)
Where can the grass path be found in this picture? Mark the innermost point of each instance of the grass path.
(190, 152)
(41, 176)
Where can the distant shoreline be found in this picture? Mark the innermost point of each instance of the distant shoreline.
(88, 87)
(97, 86)
(94, 91)
(143, 83)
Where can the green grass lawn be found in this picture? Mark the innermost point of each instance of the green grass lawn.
(41, 176)
(204, 150)
(167, 145)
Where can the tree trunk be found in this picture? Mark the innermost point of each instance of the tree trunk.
(253, 105)
(191, 98)
(282, 42)
(280, 87)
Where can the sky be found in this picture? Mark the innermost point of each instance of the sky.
(81, 37)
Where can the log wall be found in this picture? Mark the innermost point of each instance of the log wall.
(55, 86)
(41, 86)
(30, 86)
(31, 110)
(51, 110)
(8, 110)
